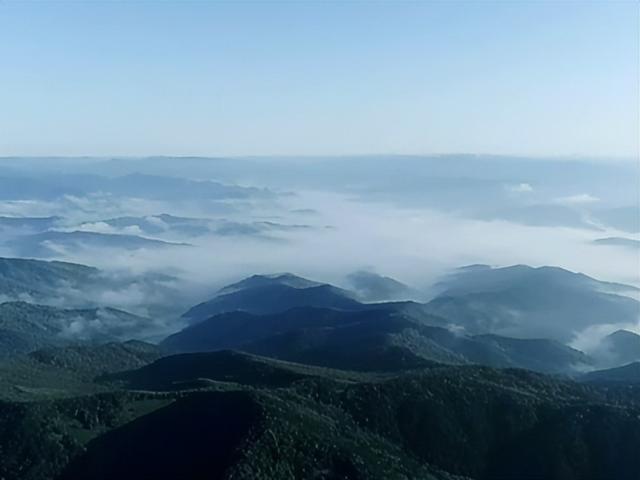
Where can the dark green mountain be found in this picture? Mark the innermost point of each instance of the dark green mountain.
(344, 390)
(265, 294)
(440, 423)
(69, 371)
(40, 438)
(396, 344)
(232, 329)
(522, 301)
(227, 415)
(627, 374)
(25, 327)
(90, 361)
(180, 372)
(368, 340)
(245, 435)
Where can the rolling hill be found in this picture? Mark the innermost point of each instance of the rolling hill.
(62, 372)
(25, 327)
(437, 423)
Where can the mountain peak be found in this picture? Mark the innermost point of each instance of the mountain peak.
(262, 280)
(624, 334)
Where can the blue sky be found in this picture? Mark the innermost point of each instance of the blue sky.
(245, 78)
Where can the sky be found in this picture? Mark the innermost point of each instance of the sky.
(545, 78)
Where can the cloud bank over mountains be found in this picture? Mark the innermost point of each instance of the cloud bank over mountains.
(196, 224)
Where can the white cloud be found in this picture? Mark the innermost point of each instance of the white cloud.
(520, 188)
(581, 199)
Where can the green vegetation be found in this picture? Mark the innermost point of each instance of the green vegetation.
(25, 327)
(627, 374)
(69, 371)
(379, 339)
(227, 415)
(377, 391)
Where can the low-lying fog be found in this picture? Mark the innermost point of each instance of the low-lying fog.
(209, 222)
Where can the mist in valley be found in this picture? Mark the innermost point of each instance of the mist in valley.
(190, 226)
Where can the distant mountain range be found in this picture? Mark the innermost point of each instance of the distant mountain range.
(38, 280)
(28, 224)
(623, 242)
(52, 186)
(54, 243)
(163, 225)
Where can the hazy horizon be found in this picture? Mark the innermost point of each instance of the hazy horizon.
(319, 239)
(319, 78)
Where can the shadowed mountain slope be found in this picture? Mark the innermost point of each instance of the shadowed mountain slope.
(627, 374)
(470, 421)
(265, 294)
(25, 327)
(521, 301)
(367, 340)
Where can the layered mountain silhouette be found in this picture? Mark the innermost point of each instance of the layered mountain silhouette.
(623, 242)
(79, 286)
(167, 226)
(368, 340)
(52, 243)
(131, 185)
(278, 376)
(514, 316)
(264, 294)
(624, 375)
(522, 301)
(28, 224)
